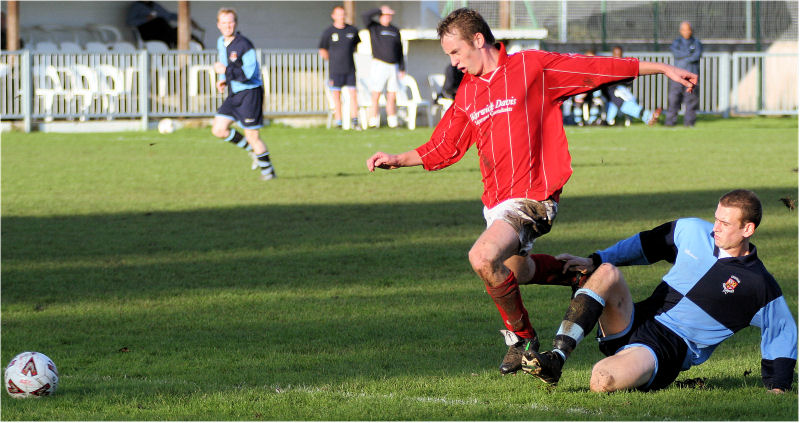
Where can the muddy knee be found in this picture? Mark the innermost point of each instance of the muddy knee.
(602, 380)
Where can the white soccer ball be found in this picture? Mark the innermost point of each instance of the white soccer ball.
(166, 126)
(31, 374)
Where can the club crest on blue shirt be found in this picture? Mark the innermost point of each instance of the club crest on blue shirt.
(730, 285)
(233, 56)
(334, 37)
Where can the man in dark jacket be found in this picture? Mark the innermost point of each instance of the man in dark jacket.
(687, 52)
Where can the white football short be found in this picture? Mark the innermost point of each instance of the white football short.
(383, 75)
(530, 218)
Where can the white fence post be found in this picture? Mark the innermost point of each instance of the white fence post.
(144, 91)
(27, 90)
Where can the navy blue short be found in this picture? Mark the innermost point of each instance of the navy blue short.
(669, 349)
(339, 80)
(245, 107)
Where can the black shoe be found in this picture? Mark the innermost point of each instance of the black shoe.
(512, 362)
(546, 366)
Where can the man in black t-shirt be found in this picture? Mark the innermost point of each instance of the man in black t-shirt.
(337, 45)
(387, 67)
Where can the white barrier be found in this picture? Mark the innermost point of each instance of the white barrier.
(142, 85)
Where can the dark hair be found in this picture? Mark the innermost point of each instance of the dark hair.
(468, 23)
(745, 200)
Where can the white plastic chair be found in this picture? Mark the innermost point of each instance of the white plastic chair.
(195, 46)
(83, 85)
(46, 47)
(70, 47)
(409, 97)
(123, 47)
(111, 85)
(106, 33)
(96, 47)
(48, 85)
(195, 78)
(436, 82)
(364, 101)
(155, 46)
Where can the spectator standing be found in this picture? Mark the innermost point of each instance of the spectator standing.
(239, 70)
(687, 51)
(337, 45)
(387, 67)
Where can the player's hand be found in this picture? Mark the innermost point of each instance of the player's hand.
(575, 263)
(383, 161)
(776, 391)
(219, 68)
(221, 86)
(684, 77)
(401, 74)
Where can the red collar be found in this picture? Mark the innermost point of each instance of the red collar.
(501, 61)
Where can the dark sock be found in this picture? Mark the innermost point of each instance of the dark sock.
(581, 316)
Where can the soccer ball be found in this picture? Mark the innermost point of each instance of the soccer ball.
(166, 126)
(31, 374)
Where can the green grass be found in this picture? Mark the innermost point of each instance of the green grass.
(335, 294)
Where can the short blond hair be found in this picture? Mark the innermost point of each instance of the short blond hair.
(228, 10)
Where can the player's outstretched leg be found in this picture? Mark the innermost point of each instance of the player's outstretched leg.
(583, 313)
(520, 334)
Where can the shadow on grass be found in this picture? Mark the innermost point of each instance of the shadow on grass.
(272, 267)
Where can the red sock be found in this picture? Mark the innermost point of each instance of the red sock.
(548, 270)
(508, 300)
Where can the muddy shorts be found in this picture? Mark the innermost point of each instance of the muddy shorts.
(530, 218)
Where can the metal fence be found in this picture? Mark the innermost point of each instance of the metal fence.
(643, 21)
(738, 83)
(47, 86)
(43, 87)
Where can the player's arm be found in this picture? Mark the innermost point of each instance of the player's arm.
(220, 65)
(643, 248)
(324, 44)
(778, 345)
(370, 15)
(681, 76)
(393, 161)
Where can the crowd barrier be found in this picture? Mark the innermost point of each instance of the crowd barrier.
(142, 85)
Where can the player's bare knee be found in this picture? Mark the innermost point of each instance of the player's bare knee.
(220, 132)
(602, 380)
(482, 263)
(605, 275)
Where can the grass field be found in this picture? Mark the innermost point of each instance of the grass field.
(168, 283)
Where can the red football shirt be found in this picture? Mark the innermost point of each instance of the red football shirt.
(513, 116)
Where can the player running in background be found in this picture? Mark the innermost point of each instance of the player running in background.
(620, 98)
(510, 108)
(716, 287)
(337, 45)
(239, 70)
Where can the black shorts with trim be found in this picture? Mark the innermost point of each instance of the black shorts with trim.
(669, 348)
(339, 80)
(245, 107)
